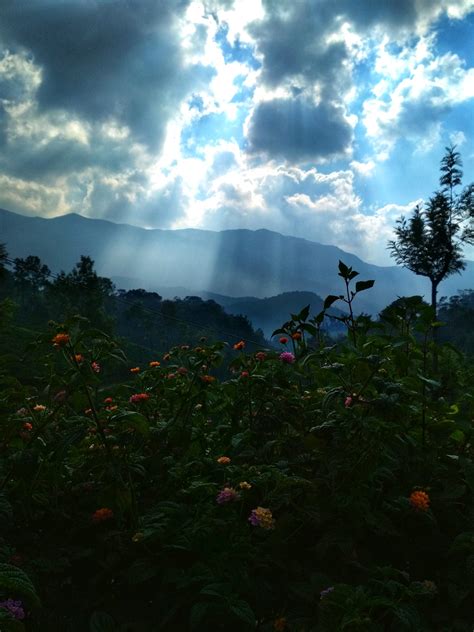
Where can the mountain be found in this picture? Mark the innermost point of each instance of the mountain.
(233, 263)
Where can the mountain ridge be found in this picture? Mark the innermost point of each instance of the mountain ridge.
(233, 263)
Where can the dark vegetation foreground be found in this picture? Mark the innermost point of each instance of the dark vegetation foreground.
(318, 487)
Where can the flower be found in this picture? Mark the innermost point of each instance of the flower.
(228, 494)
(111, 408)
(244, 374)
(136, 369)
(261, 356)
(60, 340)
(88, 411)
(420, 500)
(239, 345)
(138, 537)
(27, 425)
(262, 517)
(296, 335)
(208, 379)
(283, 340)
(39, 408)
(287, 357)
(182, 370)
(429, 586)
(245, 485)
(326, 592)
(101, 515)
(95, 366)
(348, 401)
(14, 607)
(138, 398)
(279, 624)
(223, 460)
(78, 357)
(153, 364)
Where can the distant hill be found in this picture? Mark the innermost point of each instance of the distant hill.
(231, 263)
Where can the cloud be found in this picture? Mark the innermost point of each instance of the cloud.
(105, 60)
(297, 130)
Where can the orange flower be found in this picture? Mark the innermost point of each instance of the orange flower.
(79, 358)
(420, 500)
(27, 425)
(102, 514)
(279, 624)
(296, 335)
(39, 408)
(208, 379)
(136, 369)
(239, 345)
(154, 363)
(223, 460)
(60, 340)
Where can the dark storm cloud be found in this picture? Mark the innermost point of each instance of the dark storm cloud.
(118, 59)
(297, 130)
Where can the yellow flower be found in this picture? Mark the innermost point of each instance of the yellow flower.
(245, 485)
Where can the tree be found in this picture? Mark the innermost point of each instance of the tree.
(31, 273)
(430, 243)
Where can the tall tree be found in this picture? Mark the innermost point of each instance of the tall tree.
(430, 242)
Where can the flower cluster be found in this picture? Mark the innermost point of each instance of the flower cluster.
(262, 517)
(60, 340)
(223, 460)
(135, 369)
(14, 607)
(95, 366)
(420, 500)
(153, 364)
(101, 515)
(138, 398)
(239, 345)
(326, 592)
(287, 357)
(245, 485)
(39, 408)
(227, 495)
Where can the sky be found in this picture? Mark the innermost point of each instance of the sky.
(323, 119)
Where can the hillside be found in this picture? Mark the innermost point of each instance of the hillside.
(233, 263)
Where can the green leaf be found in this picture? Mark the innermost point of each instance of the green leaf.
(343, 270)
(303, 315)
(364, 285)
(329, 300)
(243, 611)
(198, 613)
(14, 581)
(102, 622)
(134, 419)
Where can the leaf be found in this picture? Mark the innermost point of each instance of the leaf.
(198, 612)
(364, 285)
(343, 270)
(134, 419)
(244, 612)
(14, 581)
(303, 315)
(102, 622)
(329, 300)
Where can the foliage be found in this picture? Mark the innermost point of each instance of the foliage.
(327, 488)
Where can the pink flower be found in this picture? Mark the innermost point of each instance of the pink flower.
(227, 495)
(95, 366)
(138, 398)
(348, 401)
(287, 357)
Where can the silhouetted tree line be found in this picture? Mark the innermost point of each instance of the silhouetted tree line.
(142, 317)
